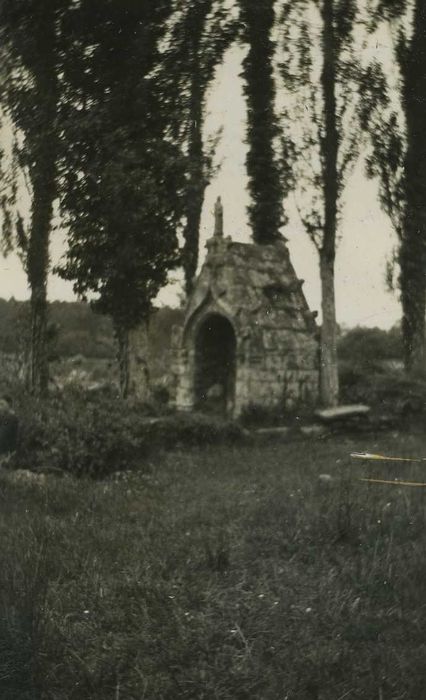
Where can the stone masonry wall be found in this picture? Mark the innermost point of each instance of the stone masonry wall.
(256, 289)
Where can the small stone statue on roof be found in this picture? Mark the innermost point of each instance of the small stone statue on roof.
(218, 218)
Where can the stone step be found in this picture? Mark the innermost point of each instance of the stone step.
(340, 413)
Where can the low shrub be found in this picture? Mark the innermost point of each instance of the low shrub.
(70, 434)
(193, 430)
(256, 415)
(96, 434)
(387, 392)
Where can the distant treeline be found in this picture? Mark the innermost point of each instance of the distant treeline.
(365, 346)
(74, 329)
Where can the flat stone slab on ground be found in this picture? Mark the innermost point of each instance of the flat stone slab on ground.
(291, 432)
(279, 431)
(339, 413)
(313, 430)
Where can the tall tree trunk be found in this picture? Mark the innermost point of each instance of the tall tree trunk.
(329, 378)
(413, 297)
(38, 264)
(123, 357)
(329, 381)
(39, 368)
(43, 179)
(413, 245)
(197, 181)
(139, 379)
(265, 186)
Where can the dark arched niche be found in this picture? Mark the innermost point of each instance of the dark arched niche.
(215, 365)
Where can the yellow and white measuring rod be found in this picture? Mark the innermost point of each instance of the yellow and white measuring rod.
(396, 482)
(368, 455)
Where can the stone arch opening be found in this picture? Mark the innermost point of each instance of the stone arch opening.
(215, 365)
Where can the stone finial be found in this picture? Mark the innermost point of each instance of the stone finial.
(218, 218)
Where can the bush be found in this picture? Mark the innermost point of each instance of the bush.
(73, 434)
(97, 434)
(391, 393)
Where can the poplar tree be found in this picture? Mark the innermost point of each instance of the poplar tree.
(399, 159)
(321, 75)
(33, 53)
(267, 187)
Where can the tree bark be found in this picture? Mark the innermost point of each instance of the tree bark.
(123, 357)
(39, 368)
(413, 300)
(329, 378)
(413, 244)
(43, 179)
(37, 269)
(139, 379)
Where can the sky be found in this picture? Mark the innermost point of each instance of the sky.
(366, 235)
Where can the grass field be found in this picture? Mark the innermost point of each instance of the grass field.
(228, 573)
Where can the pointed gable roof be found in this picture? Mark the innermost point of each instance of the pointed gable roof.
(251, 284)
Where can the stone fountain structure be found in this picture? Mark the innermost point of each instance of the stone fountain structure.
(249, 337)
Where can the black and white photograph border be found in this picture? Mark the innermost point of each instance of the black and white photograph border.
(212, 349)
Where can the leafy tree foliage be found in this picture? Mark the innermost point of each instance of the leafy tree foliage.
(385, 160)
(121, 172)
(325, 137)
(266, 186)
